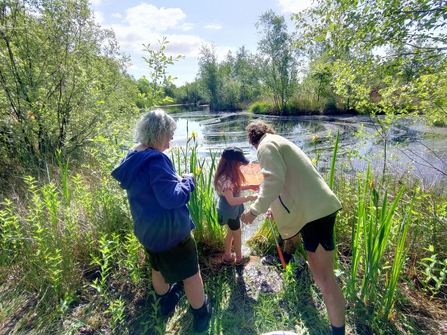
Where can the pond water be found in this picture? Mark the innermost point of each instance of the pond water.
(412, 146)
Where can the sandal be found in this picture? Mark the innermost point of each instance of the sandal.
(228, 261)
(244, 260)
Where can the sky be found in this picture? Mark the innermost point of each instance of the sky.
(187, 24)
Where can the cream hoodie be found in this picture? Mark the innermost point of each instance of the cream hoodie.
(292, 187)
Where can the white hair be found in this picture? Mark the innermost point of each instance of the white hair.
(153, 127)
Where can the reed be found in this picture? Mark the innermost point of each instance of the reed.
(372, 280)
(202, 204)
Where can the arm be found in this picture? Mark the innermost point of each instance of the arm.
(170, 190)
(253, 187)
(234, 201)
(274, 172)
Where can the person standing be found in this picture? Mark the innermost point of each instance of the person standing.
(228, 183)
(301, 202)
(158, 199)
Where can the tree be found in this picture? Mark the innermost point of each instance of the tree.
(158, 62)
(188, 93)
(61, 78)
(397, 43)
(246, 71)
(209, 74)
(279, 68)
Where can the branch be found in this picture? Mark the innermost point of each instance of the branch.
(425, 162)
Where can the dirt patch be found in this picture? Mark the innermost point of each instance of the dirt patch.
(430, 314)
(256, 276)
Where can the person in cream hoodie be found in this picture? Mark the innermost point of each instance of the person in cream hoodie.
(301, 202)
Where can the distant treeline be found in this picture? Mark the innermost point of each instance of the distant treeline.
(63, 79)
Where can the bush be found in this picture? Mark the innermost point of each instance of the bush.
(263, 107)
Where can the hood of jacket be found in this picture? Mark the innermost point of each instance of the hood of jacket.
(131, 165)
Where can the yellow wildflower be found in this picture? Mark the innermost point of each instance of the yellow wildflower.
(193, 134)
(198, 170)
(371, 184)
(315, 161)
(314, 138)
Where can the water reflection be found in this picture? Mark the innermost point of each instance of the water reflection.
(415, 149)
(414, 146)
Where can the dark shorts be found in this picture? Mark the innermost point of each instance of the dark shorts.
(234, 224)
(320, 231)
(177, 263)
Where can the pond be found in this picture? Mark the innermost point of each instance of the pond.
(412, 147)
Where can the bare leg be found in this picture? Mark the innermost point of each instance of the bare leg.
(160, 286)
(228, 242)
(291, 244)
(321, 263)
(237, 241)
(194, 290)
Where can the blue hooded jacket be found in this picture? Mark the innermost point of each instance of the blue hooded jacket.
(157, 198)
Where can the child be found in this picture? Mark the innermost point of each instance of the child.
(228, 183)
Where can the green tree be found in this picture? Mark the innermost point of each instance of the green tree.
(188, 93)
(158, 63)
(246, 69)
(279, 68)
(209, 75)
(61, 78)
(384, 51)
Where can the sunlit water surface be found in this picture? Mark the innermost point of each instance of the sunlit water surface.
(413, 148)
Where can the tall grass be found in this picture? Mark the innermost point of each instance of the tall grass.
(54, 236)
(374, 274)
(202, 204)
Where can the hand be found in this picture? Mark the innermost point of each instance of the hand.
(254, 196)
(187, 175)
(247, 217)
(269, 214)
(254, 187)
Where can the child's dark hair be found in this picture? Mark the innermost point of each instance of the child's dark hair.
(230, 170)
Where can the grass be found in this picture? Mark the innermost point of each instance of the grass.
(70, 264)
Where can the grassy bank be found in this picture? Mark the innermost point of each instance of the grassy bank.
(69, 263)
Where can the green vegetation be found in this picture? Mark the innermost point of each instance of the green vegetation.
(369, 57)
(69, 262)
(279, 64)
(68, 244)
(61, 77)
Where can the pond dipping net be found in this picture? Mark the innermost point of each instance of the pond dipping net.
(252, 173)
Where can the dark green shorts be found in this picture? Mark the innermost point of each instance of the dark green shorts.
(177, 263)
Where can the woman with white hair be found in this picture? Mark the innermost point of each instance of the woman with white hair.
(158, 199)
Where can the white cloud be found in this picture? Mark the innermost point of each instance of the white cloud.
(213, 26)
(186, 26)
(185, 45)
(147, 24)
(294, 6)
(150, 17)
(132, 39)
(99, 18)
(117, 15)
